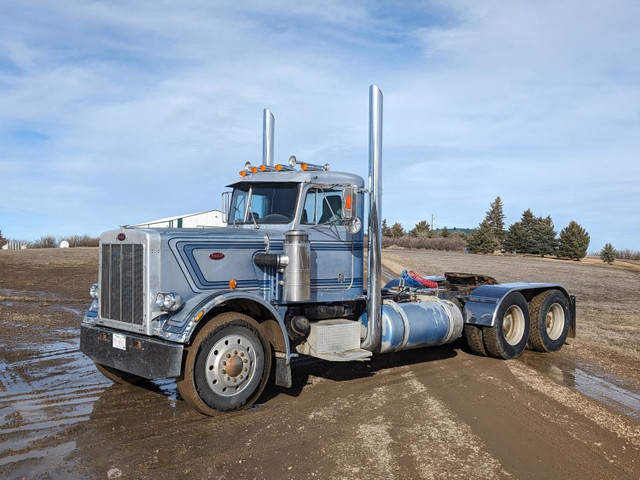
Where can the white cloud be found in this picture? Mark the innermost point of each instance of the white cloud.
(151, 109)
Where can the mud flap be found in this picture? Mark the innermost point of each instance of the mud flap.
(572, 320)
(283, 373)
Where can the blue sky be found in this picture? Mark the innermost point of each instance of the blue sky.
(120, 112)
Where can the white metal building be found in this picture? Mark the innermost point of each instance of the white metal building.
(212, 218)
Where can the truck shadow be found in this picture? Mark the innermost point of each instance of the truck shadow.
(304, 367)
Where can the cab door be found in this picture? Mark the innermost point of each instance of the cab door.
(336, 254)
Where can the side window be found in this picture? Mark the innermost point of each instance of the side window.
(309, 212)
(238, 206)
(322, 207)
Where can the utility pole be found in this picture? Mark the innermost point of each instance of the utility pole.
(432, 229)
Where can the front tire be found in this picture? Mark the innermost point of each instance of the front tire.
(549, 321)
(227, 366)
(508, 337)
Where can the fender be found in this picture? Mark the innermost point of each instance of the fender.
(482, 303)
(220, 297)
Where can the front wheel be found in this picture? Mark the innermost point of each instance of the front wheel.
(508, 337)
(549, 321)
(227, 366)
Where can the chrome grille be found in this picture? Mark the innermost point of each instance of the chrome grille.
(121, 283)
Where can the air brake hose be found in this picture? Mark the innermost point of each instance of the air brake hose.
(412, 279)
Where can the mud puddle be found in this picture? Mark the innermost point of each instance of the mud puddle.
(587, 379)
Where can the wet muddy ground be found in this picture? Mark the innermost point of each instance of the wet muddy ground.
(431, 413)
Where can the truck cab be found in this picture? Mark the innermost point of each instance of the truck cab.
(326, 205)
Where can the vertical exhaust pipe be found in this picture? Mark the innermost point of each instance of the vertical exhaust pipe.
(374, 266)
(268, 126)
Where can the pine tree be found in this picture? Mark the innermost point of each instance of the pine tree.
(2, 240)
(420, 230)
(574, 241)
(528, 219)
(516, 240)
(543, 237)
(483, 239)
(608, 254)
(495, 218)
(396, 230)
(444, 233)
(533, 235)
(386, 231)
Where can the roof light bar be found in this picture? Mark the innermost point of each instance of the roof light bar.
(248, 168)
(293, 161)
(285, 168)
(308, 167)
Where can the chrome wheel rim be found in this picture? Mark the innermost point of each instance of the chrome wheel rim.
(232, 364)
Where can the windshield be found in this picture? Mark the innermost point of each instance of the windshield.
(267, 203)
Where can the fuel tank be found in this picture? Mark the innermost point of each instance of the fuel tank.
(430, 322)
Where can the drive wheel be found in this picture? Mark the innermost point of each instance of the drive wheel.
(473, 336)
(508, 336)
(549, 321)
(227, 366)
(118, 376)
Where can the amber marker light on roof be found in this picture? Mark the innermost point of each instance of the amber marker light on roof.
(304, 166)
(278, 167)
(233, 284)
(263, 168)
(243, 173)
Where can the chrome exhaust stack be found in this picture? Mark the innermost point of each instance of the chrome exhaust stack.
(268, 126)
(374, 259)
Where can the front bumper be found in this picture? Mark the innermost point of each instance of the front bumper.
(143, 356)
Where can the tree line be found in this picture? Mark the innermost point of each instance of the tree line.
(530, 235)
(52, 241)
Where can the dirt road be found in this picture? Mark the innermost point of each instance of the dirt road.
(432, 413)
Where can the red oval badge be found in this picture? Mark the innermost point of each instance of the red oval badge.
(216, 256)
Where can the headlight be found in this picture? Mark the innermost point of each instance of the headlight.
(169, 302)
(94, 291)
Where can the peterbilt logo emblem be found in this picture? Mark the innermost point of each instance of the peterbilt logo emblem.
(216, 256)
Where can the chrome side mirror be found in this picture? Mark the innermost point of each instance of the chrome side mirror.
(350, 209)
(226, 202)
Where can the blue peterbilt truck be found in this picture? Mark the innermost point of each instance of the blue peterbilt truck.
(225, 309)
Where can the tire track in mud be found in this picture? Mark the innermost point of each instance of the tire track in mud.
(593, 411)
(44, 395)
(421, 438)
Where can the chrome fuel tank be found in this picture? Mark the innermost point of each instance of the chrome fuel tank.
(418, 324)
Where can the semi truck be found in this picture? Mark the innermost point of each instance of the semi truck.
(224, 310)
